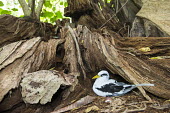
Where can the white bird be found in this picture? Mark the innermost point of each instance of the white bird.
(105, 87)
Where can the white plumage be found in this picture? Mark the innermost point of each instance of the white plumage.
(105, 87)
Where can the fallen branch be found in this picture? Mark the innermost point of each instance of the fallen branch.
(83, 101)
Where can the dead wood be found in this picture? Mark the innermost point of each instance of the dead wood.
(14, 29)
(119, 55)
(96, 52)
(81, 51)
(83, 101)
(40, 86)
(23, 57)
(99, 52)
(12, 99)
(89, 13)
(78, 7)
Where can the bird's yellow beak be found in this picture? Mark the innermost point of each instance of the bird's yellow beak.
(97, 76)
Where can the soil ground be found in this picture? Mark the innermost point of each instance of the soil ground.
(133, 102)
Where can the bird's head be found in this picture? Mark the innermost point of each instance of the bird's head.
(102, 73)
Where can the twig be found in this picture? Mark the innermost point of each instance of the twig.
(122, 28)
(128, 30)
(114, 15)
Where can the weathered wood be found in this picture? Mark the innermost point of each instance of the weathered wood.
(94, 15)
(15, 29)
(40, 86)
(22, 57)
(76, 8)
(98, 51)
(122, 56)
(12, 99)
(80, 51)
(83, 101)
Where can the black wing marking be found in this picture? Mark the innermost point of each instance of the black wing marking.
(111, 88)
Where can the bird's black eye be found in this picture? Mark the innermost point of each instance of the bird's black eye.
(104, 75)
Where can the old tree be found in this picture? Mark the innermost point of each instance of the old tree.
(125, 38)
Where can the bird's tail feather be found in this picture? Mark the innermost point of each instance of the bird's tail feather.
(144, 85)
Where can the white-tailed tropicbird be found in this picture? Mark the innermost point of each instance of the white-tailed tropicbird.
(105, 87)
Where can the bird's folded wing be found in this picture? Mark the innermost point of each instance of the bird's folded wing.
(111, 88)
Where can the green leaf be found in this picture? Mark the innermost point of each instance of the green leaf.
(47, 14)
(1, 3)
(46, 20)
(0, 10)
(54, 8)
(53, 19)
(48, 4)
(61, 3)
(59, 14)
(14, 9)
(5, 12)
(100, 6)
(65, 4)
(108, 1)
(21, 16)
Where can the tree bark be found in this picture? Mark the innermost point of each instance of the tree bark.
(15, 29)
(39, 8)
(25, 8)
(23, 57)
(76, 54)
(121, 56)
(89, 13)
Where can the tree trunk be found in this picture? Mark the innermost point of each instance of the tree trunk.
(120, 55)
(31, 10)
(78, 54)
(124, 57)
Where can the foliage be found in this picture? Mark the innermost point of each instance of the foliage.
(4, 11)
(108, 1)
(1, 3)
(52, 9)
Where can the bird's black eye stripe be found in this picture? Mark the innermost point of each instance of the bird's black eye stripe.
(104, 75)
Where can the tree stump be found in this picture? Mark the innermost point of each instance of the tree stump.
(95, 45)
